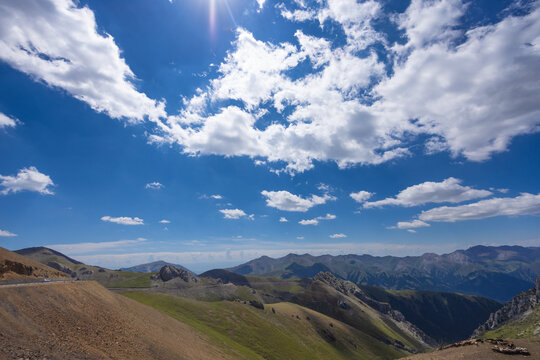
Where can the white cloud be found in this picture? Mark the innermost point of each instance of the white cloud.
(477, 90)
(5, 233)
(154, 186)
(217, 197)
(338, 236)
(309, 222)
(235, 214)
(27, 179)
(300, 238)
(469, 92)
(283, 219)
(92, 247)
(284, 200)
(6, 121)
(58, 43)
(525, 204)
(411, 231)
(261, 3)
(123, 220)
(448, 190)
(476, 95)
(411, 224)
(317, 219)
(361, 196)
(164, 221)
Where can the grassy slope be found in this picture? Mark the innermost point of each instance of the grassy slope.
(524, 326)
(292, 332)
(447, 317)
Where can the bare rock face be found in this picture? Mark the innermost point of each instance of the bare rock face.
(15, 267)
(169, 272)
(60, 267)
(520, 303)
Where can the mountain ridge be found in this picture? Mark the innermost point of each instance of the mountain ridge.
(494, 272)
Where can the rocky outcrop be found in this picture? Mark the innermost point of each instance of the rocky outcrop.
(60, 267)
(520, 304)
(15, 267)
(170, 272)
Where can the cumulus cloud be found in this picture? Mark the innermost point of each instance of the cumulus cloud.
(58, 42)
(338, 236)
(216, 197)
(466, 90)
(284, 200)
(235, 214)
(317, 219)
(7, 121)
(164, 221)
(525, 204)
(477, 90)
(448, 190)
(123, 220)
(27, 179)
(283, 219)
(361, 196)
(154, 186)
(5, 233)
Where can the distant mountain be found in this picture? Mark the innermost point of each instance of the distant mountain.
(494, 272)
(40, 253)
(518, 318)
(226, 277)
(153, 267)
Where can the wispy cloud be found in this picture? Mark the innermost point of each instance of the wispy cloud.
(525, 204)
(93, 247)
(284, 200)
(236, 214)
(154, 186)
(317, 219)
(7, 121)
(123, 220)
(338, 236)
(164, 221)
(448, 190)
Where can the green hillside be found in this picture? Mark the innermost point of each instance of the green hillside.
(280, 331)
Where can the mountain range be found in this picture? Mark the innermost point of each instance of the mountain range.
(493, 272)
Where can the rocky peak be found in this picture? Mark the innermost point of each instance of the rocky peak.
(343, 286)
(169, 272)
(518, 305)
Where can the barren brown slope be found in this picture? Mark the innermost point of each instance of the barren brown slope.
(83, 320)
(480, 352)
(15, 266)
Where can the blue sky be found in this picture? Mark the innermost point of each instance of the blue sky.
(211, 132)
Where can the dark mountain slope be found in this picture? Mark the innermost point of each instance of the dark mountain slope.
(447, 317)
